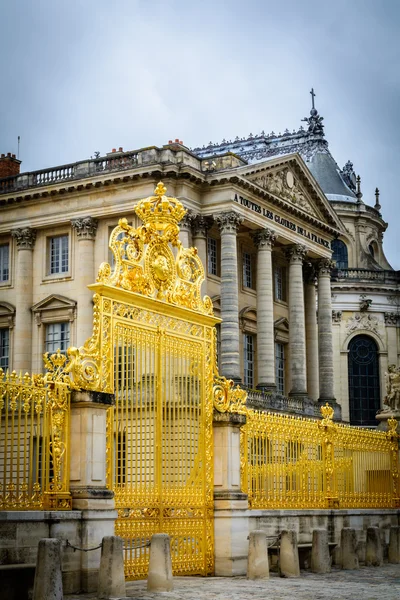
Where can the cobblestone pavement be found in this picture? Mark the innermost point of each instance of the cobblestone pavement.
(380, 583)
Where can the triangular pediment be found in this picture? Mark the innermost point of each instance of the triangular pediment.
(6, 309)
(53, 302)
(288, 180)
(282, 323)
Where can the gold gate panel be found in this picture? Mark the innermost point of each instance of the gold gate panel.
(153, 347)
(160, 424)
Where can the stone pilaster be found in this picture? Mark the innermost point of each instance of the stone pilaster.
(264, 239)
(297, 340)
(86, 229)
(325, 340)
(184, 229)
(200, 226)
(88, 478)
(229, 223)
(230, 503)
(310, 300)
(25, 241)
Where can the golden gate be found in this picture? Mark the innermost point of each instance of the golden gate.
(153, 346)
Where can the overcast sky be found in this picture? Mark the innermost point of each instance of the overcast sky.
(81, 76)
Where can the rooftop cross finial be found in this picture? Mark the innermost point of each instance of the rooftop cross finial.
(313, 94)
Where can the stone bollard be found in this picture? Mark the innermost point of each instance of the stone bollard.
(373, 548)
(160, 578)
(348, 544)
(289, 565)
(320, 557)
(48, 577)
(394, 545)
(257, 561)
(111, 573)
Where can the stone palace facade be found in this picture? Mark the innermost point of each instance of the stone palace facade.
(267, 214)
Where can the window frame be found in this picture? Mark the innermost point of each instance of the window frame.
(57, 346)
(47, 275)
(280, 368)
(283, 269)
(5, 367)
(344, 252)
(249, 374)
(252, 256)
(5, 282)
(217, 242)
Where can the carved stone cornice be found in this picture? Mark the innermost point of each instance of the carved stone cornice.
(229, 222)
(324, 267)
(391, 319)
(85, 227)
(25, 238)
(296, 253)
(264, 238)
(336, 316)
(200, 225)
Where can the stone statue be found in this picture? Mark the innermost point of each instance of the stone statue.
(392, 379)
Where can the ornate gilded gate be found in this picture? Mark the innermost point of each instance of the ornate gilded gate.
(153, 347)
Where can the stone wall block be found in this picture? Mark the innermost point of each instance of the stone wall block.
(257, 562)
(320, 557)
(373, 549)
(160, 578)
(48, 579)
(348, 545)
(394, 545)
(289, 565)
(111, 574)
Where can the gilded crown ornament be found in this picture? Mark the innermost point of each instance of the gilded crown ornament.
(144, 262)
(160, 210)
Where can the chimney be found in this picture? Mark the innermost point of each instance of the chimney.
(9, 165)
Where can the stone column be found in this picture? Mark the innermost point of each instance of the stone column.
(86, 233)
(310, 300)
(184, 229)
(297, 331)
(325, 343)
(229, 223)
(88, 478)
(264, 240)
(200, 226)
(25, 241)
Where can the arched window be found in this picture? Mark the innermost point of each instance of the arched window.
(340, 254)
(364, 392)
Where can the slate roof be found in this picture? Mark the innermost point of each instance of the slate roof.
(309, 142)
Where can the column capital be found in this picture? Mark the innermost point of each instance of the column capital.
(85, 227)
(229, 222)
(24, 237)
(296, 253)
(200, 225)
(310, 274)
(186, 221)
(264, 238)
(324, 266)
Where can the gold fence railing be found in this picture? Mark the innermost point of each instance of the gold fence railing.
(291, 462)
(34, 439)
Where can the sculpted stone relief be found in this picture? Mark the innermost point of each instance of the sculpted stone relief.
(392, 381)
(284, 185)
(362, 321)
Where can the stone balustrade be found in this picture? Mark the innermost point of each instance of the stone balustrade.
(261, 400)
(78, 170)
(366, 275)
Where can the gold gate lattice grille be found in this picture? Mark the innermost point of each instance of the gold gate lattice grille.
(157, 433)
